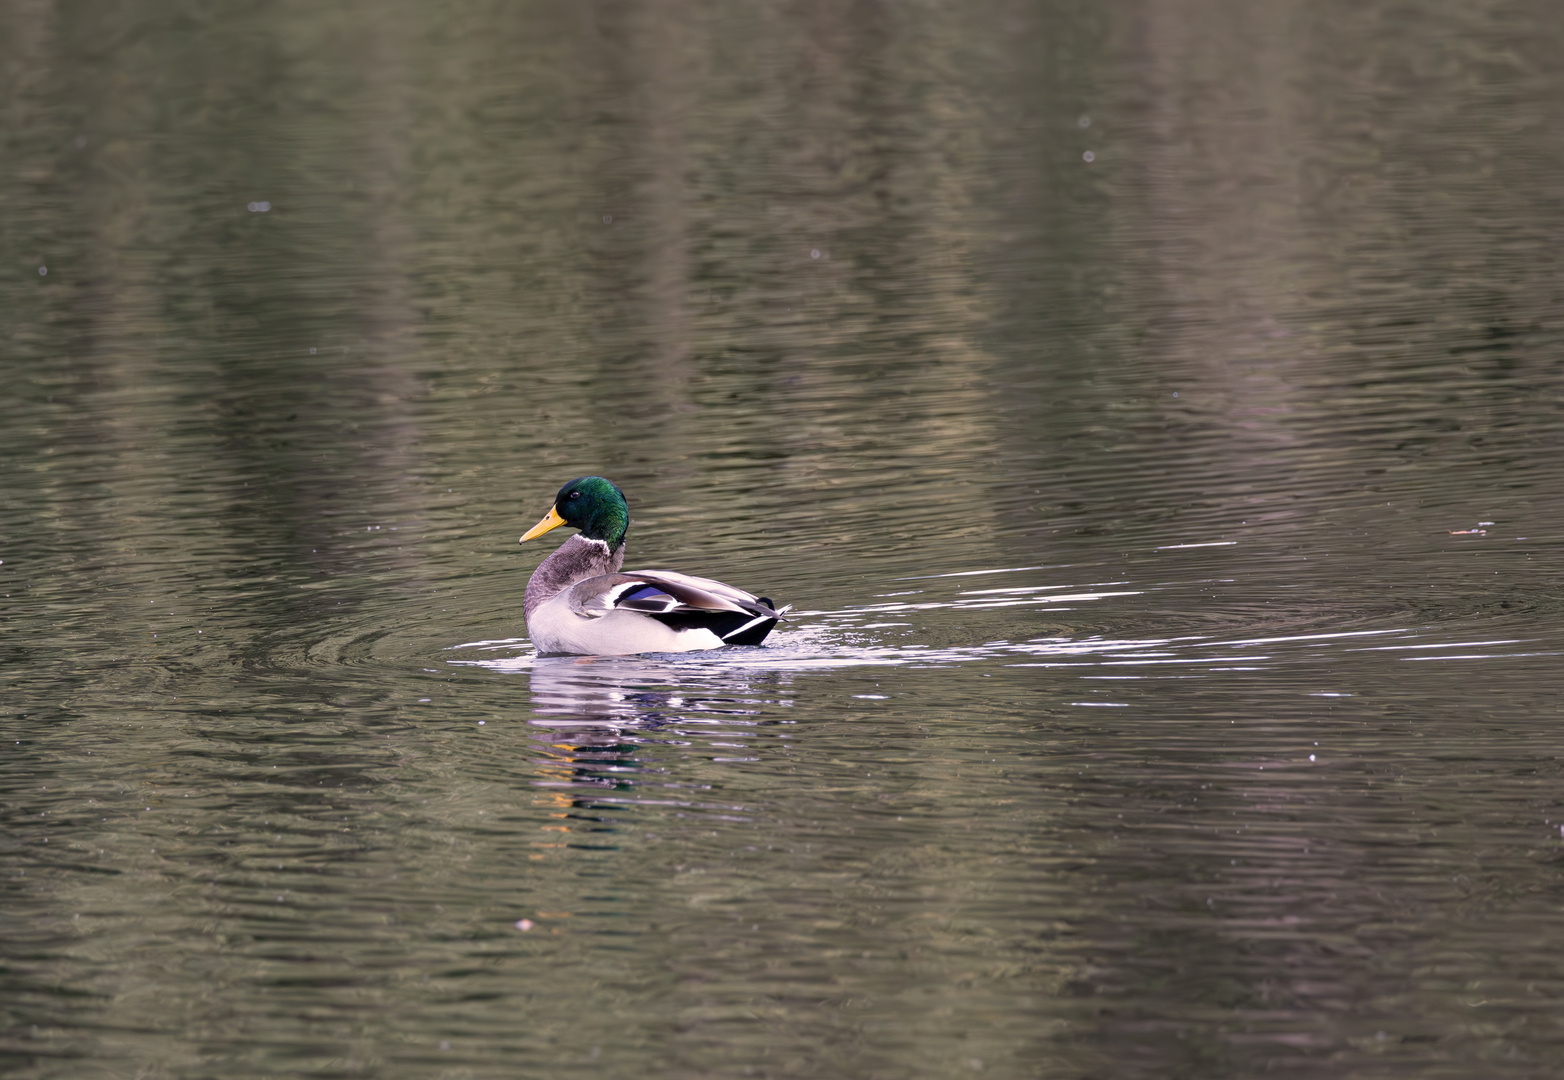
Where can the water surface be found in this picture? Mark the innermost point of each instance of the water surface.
(1152, 414)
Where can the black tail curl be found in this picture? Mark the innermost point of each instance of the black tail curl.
(733, 627)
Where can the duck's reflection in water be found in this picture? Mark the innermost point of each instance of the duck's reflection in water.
(599, 717)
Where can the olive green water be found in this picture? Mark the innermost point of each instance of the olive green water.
(1154, 413)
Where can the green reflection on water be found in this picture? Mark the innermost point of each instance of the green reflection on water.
(1244, 761)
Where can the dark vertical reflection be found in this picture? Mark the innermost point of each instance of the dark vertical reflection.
(1303, 228)
(1301, 236)
(224, 283)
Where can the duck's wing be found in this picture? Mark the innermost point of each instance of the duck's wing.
(659, 592)
(680, 601)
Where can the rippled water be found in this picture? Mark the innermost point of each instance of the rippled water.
(1153, 414)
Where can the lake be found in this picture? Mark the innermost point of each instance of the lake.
(1153, 413)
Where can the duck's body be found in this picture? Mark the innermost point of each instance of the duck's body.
(579, 601)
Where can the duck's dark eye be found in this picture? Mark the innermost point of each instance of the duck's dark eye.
(575, 494)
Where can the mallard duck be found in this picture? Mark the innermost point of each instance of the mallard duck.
(579, 602)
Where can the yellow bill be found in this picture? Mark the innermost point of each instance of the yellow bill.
(550, 520)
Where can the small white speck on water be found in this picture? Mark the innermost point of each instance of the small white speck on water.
(1088, 157)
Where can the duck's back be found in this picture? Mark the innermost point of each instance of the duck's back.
(578, 602)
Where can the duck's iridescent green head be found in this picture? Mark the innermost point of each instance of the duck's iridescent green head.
(591, 504)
